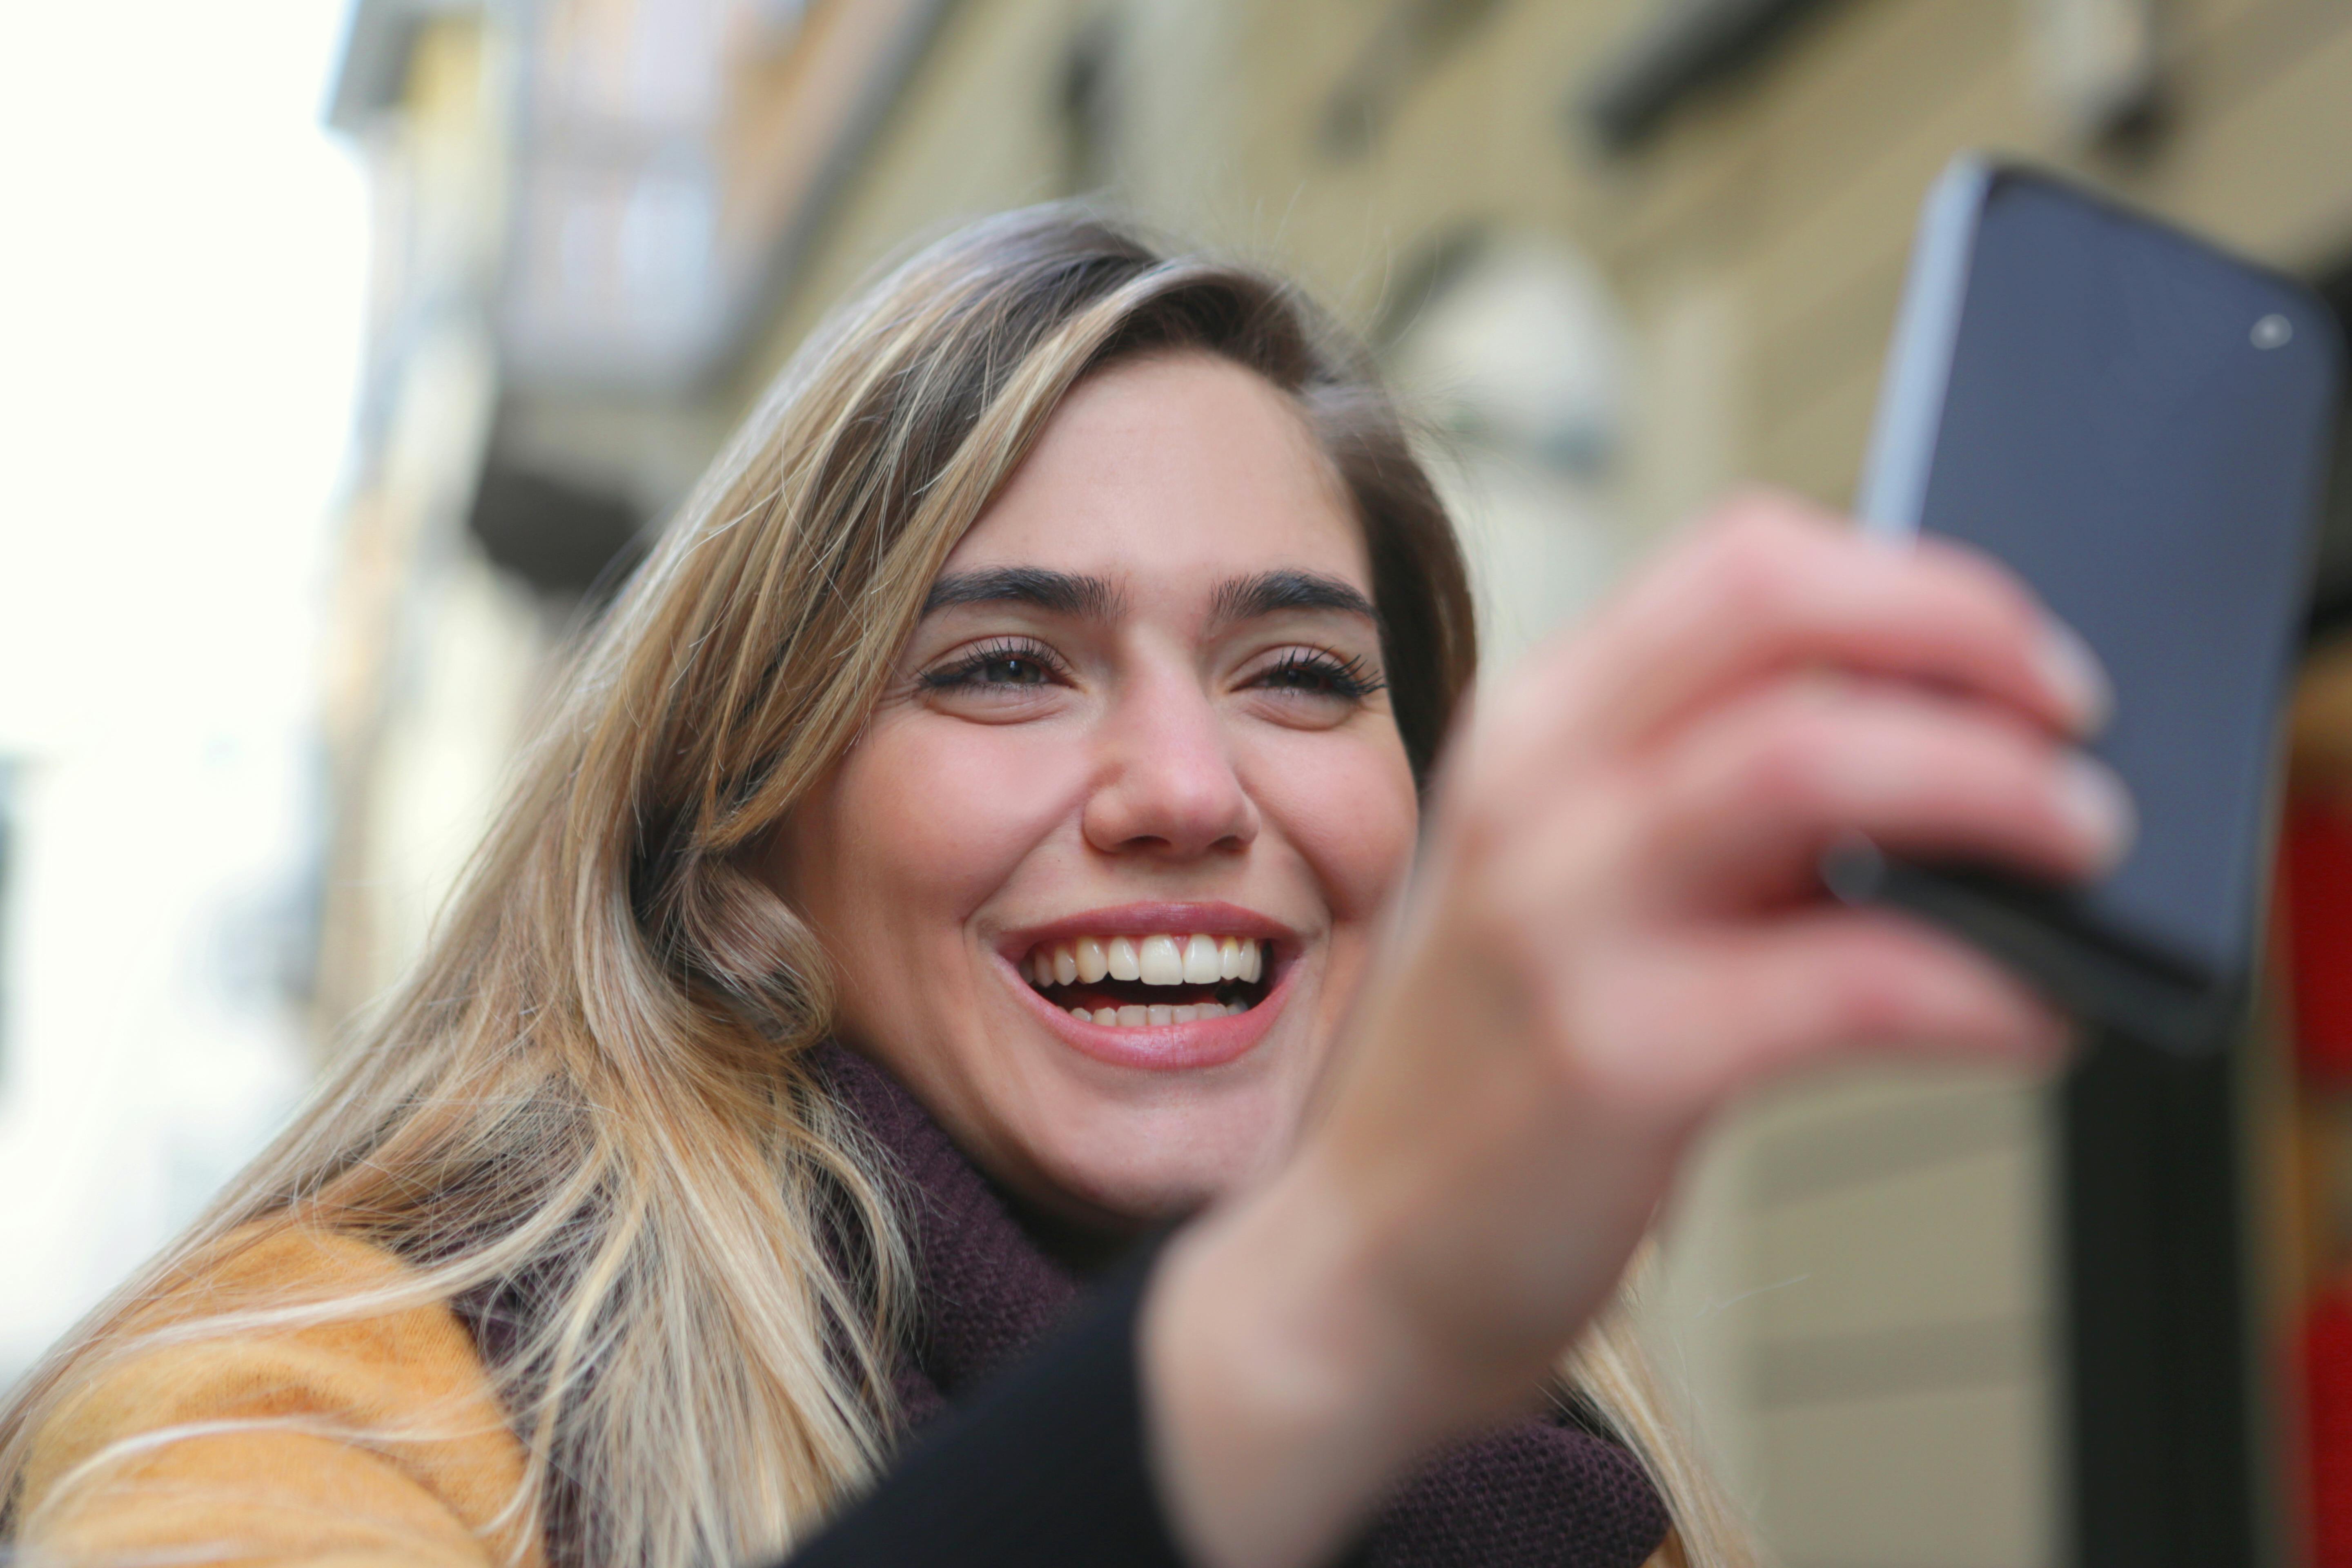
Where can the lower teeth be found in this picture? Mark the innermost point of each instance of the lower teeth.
(1134, 1016)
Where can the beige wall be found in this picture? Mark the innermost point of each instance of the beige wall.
(978, 130)
(432, 658)
(1799, 191)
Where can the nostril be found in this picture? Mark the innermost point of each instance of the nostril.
(1168, 806)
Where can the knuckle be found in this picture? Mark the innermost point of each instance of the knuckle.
(1481, 829)
(1991, 588)
(1773, 514)
(1869, 1002)
(1504, 909)
(1744, 568)
(1753, 580)
(2029, 777)
(1788, 763)
(1987, 758)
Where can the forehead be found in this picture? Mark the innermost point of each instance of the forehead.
(1176, 473)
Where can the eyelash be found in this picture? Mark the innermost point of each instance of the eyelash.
(970, 670)
(1309, 670)
(1350, 678)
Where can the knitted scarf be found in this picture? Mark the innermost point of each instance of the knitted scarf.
(1540, 1493)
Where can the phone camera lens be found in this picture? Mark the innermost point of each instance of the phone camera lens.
(2271, 333)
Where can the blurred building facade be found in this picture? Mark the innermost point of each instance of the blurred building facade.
(1626, 253)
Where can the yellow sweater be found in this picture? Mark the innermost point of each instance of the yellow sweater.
(375, 1443)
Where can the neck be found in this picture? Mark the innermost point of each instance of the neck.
(1085, 1246)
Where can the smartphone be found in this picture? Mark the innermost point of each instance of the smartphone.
(2140, 424)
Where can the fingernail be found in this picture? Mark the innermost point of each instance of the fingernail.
(2071, 671)
(2096, 806)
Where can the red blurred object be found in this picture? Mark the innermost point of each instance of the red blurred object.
(2327, 1415)
(2316, 879)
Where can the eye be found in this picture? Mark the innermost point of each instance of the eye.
(1010, 664)
(1313, 672)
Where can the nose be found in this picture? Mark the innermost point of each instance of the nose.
(1167, 786)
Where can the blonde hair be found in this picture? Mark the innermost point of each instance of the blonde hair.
(590, 1111)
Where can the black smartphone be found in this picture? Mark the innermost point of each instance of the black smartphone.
(2140, 424)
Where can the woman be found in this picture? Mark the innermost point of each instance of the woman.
(1071, 636)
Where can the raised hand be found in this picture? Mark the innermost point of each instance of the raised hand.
(1616, 929)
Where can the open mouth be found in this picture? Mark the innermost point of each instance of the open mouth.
(1131, 982)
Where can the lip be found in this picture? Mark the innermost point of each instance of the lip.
(1149, 920)
(1164, 1048)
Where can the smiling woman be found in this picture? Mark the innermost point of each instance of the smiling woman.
(990, 832)
(1116, 748)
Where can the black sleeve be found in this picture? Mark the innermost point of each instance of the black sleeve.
(1046, 1466)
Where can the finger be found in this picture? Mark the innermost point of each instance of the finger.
(1716, 1013)
(1771, 583)
(1744, 802)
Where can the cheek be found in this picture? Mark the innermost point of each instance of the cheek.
(1350, 810)
(930, 819)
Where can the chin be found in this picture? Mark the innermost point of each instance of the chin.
(1144, 1195)
(1136, 1169)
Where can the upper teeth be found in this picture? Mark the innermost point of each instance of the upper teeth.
(1188, 960)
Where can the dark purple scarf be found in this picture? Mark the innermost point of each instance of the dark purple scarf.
(1536, 1494)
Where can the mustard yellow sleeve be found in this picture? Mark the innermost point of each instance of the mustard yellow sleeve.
(373, 1443)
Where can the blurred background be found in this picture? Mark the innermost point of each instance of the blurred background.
(351, 349)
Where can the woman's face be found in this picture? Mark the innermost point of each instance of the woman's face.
(1140, 733)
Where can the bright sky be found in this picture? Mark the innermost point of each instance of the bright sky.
(180, 309)
(181, 301)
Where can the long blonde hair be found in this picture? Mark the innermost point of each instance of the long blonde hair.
(591, 1105)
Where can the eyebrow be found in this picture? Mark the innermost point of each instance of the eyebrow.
(1246, 598)
(1095, 598)
(1060, 592)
